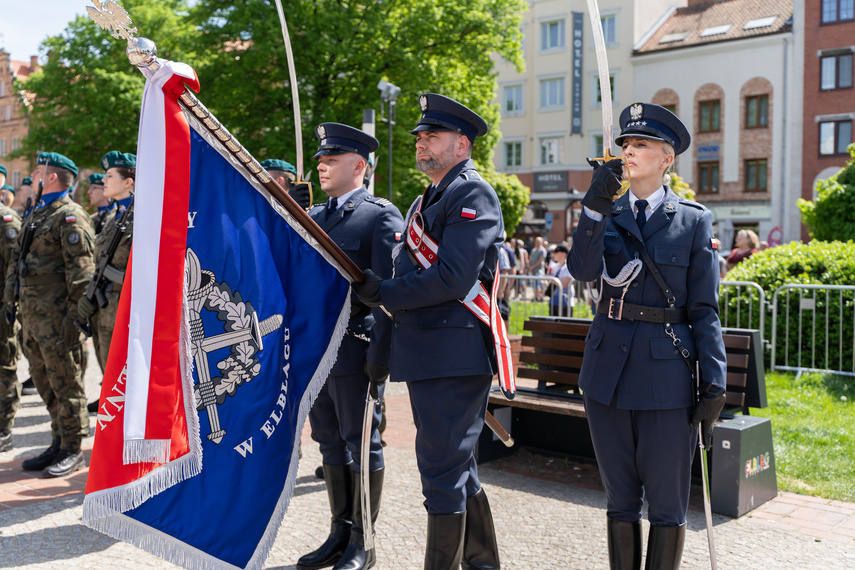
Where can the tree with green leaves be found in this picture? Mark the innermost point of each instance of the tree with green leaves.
(831, 217)
(341, 51)
(87, 95)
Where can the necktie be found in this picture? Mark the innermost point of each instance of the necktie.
(641, 216)
(331, 207)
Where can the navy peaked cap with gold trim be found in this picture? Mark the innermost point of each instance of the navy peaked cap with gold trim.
(649, 121)
(441, 113)
(338, 139)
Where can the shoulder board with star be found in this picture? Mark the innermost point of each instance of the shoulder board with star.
(470, 175)
(382, 202)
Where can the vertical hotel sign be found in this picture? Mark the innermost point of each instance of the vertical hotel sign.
(576, 118)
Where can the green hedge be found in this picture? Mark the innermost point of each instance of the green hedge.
(818, 262)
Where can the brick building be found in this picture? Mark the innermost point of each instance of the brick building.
(726, 68)
(13, 121)
(826, 58)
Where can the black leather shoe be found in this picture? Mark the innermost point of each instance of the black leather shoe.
(67, 462)
(28, 388)
(92, 407)
(319, 472)
(356, 557)
(5, 440)
(39, 462)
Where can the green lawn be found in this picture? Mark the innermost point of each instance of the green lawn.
(813, 432)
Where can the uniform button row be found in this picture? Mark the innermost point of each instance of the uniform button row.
(623, 348)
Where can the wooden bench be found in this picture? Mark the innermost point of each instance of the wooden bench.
(548, 414)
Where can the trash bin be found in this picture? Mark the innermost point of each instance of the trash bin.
(742, 466)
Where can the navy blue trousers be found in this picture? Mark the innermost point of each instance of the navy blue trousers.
(644, 454)
(449, 416)
(336, 420)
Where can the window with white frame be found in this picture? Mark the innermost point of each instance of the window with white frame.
(16, 178)
(550, 150)
(598, 97)
(7, 113)
(512, 100)
(2, 88)
(552, 35)
(3, 150)
(609, 22)
(513, 154)
(16, 143)
(552, 93)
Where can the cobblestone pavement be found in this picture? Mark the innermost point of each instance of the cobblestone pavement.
(549, 513)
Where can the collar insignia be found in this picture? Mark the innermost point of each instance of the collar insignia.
(669, 207)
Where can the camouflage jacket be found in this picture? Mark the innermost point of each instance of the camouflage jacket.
(10, 227)
(123, 252)
(60, 262)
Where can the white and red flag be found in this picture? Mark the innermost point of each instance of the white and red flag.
(219, 348)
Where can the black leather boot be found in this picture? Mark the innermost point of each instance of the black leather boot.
(444, 548)
(480, 548)
(67, 462)
(356, 557)
(624, 544)
(340, 491)
(665, 547)
(47, 457)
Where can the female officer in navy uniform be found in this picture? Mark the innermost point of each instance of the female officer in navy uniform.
(638, 389)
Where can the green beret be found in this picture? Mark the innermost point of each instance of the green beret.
(120, 159)
(96, 179)
(2, 169)
(276, 164)
(27, 181)
(8, 188)
(57, 160)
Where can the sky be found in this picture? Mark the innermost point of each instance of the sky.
(25, 24)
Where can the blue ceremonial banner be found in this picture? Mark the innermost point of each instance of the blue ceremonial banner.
(265, 311)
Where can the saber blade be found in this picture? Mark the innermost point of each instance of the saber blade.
(605, 83)
(295, 95)
(371, 400)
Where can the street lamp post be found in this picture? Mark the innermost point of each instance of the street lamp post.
(389, 94)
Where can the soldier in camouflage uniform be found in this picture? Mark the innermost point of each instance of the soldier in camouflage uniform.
(118, 186)
(10, 390)
(52, 277)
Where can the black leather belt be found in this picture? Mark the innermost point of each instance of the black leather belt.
(617, 310)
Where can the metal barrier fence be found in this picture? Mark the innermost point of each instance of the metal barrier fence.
(742, 305)
(810, 323)
(528, 297)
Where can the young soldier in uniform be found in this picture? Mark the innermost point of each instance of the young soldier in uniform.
(10, 390)
(8, 195)
(366, 228)
(637, 387)
(24, 192)
(98, 201)
(118, 186)
(285, 174)
(58, 265)
(439, 347)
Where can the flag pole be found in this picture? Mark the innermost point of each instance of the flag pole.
(142, 53)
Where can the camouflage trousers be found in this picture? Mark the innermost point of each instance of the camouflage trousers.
(95, 340)
(57, 372)
(105, 320)
(10, 389)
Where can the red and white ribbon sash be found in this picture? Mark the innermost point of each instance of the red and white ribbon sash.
(483, 305)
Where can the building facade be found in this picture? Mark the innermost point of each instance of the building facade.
(552, 112)
(827, 50)
(726, 68)
(13, 120)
